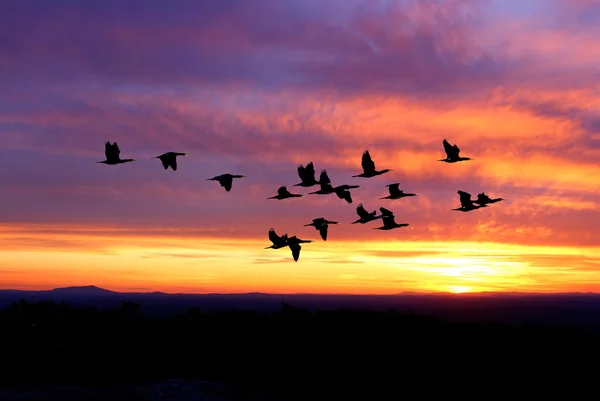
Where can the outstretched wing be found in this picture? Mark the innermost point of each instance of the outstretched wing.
(302, 172)
(115, 149)
(295, 251)
(174, 165)
(344, 194)
(309, 171)
(367, 162)
(362, 213)
(386, 213)
(323, 231)
(389, 221)
(465, 198)
(451, 151)
(282, 190)
(324, 178)
(275, 239)
(226, 182)
(394, 189)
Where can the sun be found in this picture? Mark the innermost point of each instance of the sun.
(459, 289)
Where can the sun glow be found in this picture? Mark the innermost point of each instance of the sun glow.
(459, 289)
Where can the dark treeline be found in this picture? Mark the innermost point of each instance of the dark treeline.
(295, 354)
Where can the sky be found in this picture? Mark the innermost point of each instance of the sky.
(257, 87)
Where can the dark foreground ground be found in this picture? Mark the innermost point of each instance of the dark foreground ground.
(51, 351)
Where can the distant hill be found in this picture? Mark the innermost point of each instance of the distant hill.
(555, 309)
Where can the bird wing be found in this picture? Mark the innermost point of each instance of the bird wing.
(165, 162)
(394, 189)
(309, 171)
(174, 164)
(389, 221)
(456, 149)
(450, 150)
(344, 194)
(108, 152)
(465, 198)
(362, 213)
(226, 182)
(385, 212)
(115, 149)
(324, 178)
(302, 172)
(323, 231)
(367, 163)
(275, 239)
(282, 190)
(295, 251)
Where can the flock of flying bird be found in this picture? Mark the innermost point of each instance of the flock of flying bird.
(307, 177)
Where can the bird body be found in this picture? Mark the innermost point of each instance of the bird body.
(369, 167)
(466, 204)
(283, 193)
(452, 153)
(226, 180)
(169, 159)
(389, 222)
(396, 192)
(112, 153)
(321, 225)
(307, 176)
(365, 216)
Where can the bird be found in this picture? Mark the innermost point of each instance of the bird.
(226, 180)
(321, 225)
(283, 193)
(483, 199)
(396, 192)
(307, 176)
(466, 204)
(365, 216)
(112, 153)
(169, 159)
(452, 153)
(341, 191)
(278, 242)
(389, 223)
(369, 167)
(294, 244)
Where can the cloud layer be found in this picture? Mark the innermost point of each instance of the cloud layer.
(257, 89)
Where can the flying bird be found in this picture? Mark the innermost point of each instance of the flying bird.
(278, 242)
(365, 216)
(307, 176)
(483, 199)
(396, 192)
(169, 159)
(112, 153)
(389, 222)
(452, 153)
(283, 193)
(321, 225)
(341, 191)
(369, 167)
(466, 204)
(294, 244)
(226, 180)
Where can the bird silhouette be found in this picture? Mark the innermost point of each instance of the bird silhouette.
(294, 244)
(368, 167)
(396, 192)
(452, 153)
(283, 193)
(226, 180)
(169, 159)
(365, 216)
(321, 225)
(341, 191)
(466, 204)
(112, 153)
(278, 242)
(389, 222)
(483, 199)
(307, 176)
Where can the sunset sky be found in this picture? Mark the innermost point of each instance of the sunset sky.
(257, 87)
